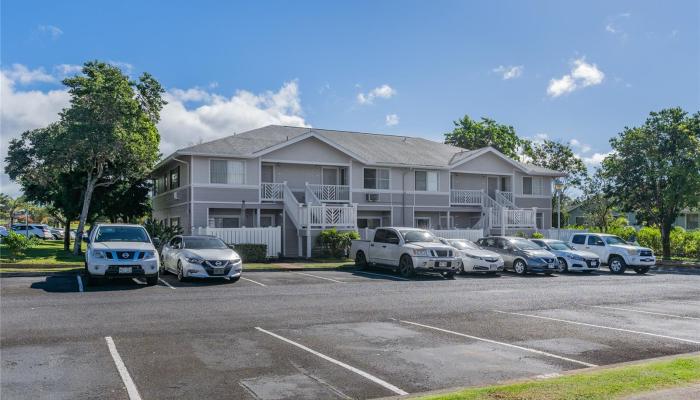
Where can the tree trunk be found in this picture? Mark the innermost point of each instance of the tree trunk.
(84, 214)
(66, 235)
(666, 227)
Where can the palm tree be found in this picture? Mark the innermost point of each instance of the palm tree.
(9, 206)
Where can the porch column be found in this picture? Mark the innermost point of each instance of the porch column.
(257, 217)
(308, 242)
(504, 220)
(448, 220)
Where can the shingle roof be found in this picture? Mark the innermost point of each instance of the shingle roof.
(371, 147)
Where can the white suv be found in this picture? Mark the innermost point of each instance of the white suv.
(121, 251)
(615, 252)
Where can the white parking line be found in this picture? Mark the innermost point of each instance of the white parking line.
(319, 277)
(123, 372)
(383, 275)
(80, 283)
(255, 282)
(602, 327)
(544, 353)
(166, 284)
(645, 312)
(364, 374)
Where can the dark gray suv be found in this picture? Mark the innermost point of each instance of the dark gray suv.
(521, 255)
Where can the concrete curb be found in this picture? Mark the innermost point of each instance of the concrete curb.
(78, 269)
(536, 378)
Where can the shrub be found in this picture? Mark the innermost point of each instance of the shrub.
(650, 237)
(335, 244)
(161, 230)
(537, 235)
(17, 244)
(251, 252)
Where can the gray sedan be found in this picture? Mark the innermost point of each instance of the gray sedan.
(521, 255)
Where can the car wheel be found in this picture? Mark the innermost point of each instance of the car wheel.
(234, 279)
(448, 275)
(152, 280)
(360, 260)
(617, 265)
(406, 267)
(180, 274)
(519, 267)
(641, 270)
(563, 266)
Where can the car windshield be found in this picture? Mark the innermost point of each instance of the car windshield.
(463, 244)
(560, 246)
(613, 240)
(204, 243)
(418, 236)
(524, 244)
(121, 234)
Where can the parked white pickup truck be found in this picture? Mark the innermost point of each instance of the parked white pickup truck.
(408, 250)
(615, 252)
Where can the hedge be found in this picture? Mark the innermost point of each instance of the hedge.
(251, 252)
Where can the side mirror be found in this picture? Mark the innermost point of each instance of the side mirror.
(156, 242)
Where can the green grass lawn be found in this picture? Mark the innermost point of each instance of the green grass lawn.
(598, 385)
(47, 252)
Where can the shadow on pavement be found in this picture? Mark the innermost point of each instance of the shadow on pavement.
(57, 284)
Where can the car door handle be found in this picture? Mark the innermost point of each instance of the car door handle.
(384, 246)
(371, 245)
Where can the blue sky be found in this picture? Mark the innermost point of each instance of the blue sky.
(574, 71)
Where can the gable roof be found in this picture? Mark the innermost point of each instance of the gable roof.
(368, 148)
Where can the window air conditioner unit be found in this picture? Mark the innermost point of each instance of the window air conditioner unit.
(372, 197)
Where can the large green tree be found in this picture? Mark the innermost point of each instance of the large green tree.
(557, 156)
(598, 200)
(10, 205)
(470, 134)
(110, 129)
(655, 168)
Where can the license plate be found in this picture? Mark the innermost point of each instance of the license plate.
(494, 266)
(442, 264)
(552, 266)
(594, 263)
(125, 270)
(218, 271)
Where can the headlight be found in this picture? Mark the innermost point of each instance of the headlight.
(194, 260)
(421, 253)
(633, 252)
(576, 257)
(98, 254)
(149, 254)
(235, 260)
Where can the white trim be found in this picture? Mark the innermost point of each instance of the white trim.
(481, 173)
(332, 164)
(226, 186)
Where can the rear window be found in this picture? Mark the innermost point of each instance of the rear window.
(579, 239)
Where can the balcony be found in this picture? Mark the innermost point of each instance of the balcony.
(466, 197)
(330, 193)
(272, 191)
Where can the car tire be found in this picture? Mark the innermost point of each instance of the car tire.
(519, 267)
(563, 266)
(180, 274)
(617, 265)
(449, 275)
(406, 267)
(152, 280)
(361, 260)
(233, 280)
(641, 270)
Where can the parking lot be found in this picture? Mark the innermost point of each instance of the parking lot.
(330, 334)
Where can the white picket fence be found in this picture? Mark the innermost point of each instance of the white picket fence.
(561, 234)
(271, 236)
(468, 234)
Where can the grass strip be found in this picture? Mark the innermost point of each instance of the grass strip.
(595, 385)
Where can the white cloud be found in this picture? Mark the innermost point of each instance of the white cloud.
(384, 92)
(509, 72)
(52, 30)
(67, 69)
(25, 109)
(582, 74)
(392, 119)
(595, 159)
(615, 24)
(220, 116)
(578, 145)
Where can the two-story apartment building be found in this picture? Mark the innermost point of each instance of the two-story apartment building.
(308, 179)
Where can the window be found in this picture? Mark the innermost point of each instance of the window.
(175, 178)
(229, 172)
(446, 223)
(267, 220)
(579, 239)
(427, 181)
(595, 241)
(391, 237)
(691, 221)
(370, 222)
(539, 220)
(224, 222)
(533, 186)
(175, 221)
(176, 243)
(267, 173)
(422, 222)
(376, 178)
(380, 236)
(159, 185)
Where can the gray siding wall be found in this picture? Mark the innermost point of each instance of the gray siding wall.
(308, 150)
(489, 163)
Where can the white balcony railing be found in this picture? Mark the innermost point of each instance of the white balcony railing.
(325, 216)
(271, 191)
(331, 193)
(505, 199)
(467, 197)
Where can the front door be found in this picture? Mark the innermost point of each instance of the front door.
(492, 186)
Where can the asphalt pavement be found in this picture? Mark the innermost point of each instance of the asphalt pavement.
(329, 334)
